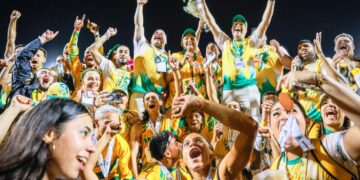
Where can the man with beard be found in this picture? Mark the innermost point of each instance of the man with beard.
(149, 62)
(73, 51)
(117, 72)
(239, 76)
(29, 78)
(167, 151)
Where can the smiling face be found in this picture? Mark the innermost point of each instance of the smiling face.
(188, 42)
(344, 46)
(212, 48)
(152, 102)
(306, 52)
(159, 39)
(194, 121)
(72, 148)
(121, 56)
(37, 60)
(239, 30)
(45, 78)
(196, 152)
(92, 81)
(332, 116)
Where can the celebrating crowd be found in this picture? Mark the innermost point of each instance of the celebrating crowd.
(243, 108)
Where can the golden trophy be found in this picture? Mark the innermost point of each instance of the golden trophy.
(194, 8)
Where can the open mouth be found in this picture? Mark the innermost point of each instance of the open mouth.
(82, 160)
(34, 61)
(331, 114)
(194, 153)
(152, 106)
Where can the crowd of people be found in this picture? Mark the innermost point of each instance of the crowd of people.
(243, 108)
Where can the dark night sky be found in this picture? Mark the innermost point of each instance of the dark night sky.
(293, 20)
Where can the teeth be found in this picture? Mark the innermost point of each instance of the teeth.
(83, 160)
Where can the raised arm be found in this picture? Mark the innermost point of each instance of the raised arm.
(210, 21)
(210, 87)
(96, 46)
(11, 35)
(139, 20)
(284, 57)
(174, 64)
(266, 19)
(73, 48)
(333, 73)
(199, 30)
(238, 157)
(18, 105)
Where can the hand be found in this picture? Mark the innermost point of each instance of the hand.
(112, 129)
(219, 129)
(79, 23)
(201, 23)
(266, 132)
(21, 103)
(102, 99)
(189, 56)
(174, 62)
(296, 64)
(15, 15)
(142, 2)
(291, 79)
(266, 106)
(183, 105)
(317, 44)
(110, 32)
(275, 43)
(93, 27)
(48, 36)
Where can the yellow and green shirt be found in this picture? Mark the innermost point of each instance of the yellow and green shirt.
(153, 171)
(5, 91)
(145, 74)
(234, 78)
(187, 73)
(115, 78)
(329, 160)
(166, 124)
(268, 70)
(119, 168)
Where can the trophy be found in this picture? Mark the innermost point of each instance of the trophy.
(194, 8)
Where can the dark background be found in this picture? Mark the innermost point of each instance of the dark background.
(293, 20)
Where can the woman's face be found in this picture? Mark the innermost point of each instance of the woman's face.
(196, 152)
(152, 102)
(279, 116)
(72, 148)
(332, 115)
(92, 81)
(194, 121)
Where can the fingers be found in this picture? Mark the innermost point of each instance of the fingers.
(83, 18)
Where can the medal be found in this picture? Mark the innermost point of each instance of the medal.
(239, 62)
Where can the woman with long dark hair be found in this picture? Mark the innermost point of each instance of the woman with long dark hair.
(51, 141)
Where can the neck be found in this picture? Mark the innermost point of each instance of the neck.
(154, 116)
(200, 174)
(294, 153)
(169, 163)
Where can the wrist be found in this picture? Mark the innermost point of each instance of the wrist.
(42, 40)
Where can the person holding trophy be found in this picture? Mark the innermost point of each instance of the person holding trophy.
(239, 77)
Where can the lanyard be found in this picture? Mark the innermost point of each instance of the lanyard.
(237, 51)
(209, 176)
(159, 53)
(105, 165)
(232, 137)
(156, 129)
(167, 172)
